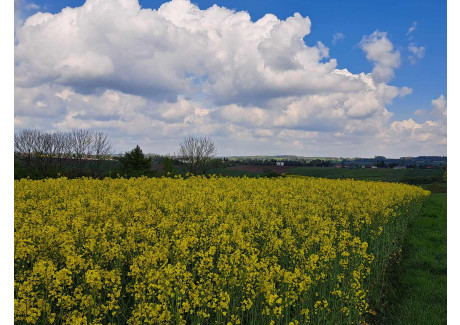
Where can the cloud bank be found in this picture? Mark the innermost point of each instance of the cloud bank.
(154, 76)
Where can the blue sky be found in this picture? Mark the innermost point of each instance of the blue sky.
(425, 75)
(427, 78)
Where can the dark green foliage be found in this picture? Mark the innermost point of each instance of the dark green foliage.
(421, 180)
(268, 172)
(23, 169)
(135, 161)
(381, 163)
(436, 187)
(168, 167)
(317, 163)
(68, 168)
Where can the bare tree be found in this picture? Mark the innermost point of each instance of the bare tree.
(42, 150)
(207, 151)
(24, 145)
(101, 149)
(69, 145)
(59, 140)
(188, 153)
(48, 148)
(101, 145)
(197, 153)
(38, 150)
(81, 141)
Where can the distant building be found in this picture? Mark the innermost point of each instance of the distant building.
(399, 167)
(280, 163)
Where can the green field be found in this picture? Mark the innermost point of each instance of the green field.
(380, 174)
(417, 288)
(410, 176)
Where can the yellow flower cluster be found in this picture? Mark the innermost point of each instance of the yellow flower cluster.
(199, 250)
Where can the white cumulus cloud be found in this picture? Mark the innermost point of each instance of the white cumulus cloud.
(155, 76)
(379, 49)
(427, 135)
(439, 109)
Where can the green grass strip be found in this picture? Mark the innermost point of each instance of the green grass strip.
(417, 285)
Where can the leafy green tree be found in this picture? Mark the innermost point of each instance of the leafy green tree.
(381, 163)
(168, 166)
(136, 161)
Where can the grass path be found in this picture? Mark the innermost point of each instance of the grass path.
(417, 292)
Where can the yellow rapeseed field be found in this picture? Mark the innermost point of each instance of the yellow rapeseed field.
(202, 250)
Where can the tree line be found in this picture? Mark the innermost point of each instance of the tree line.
(44, 153)
(81, 152)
